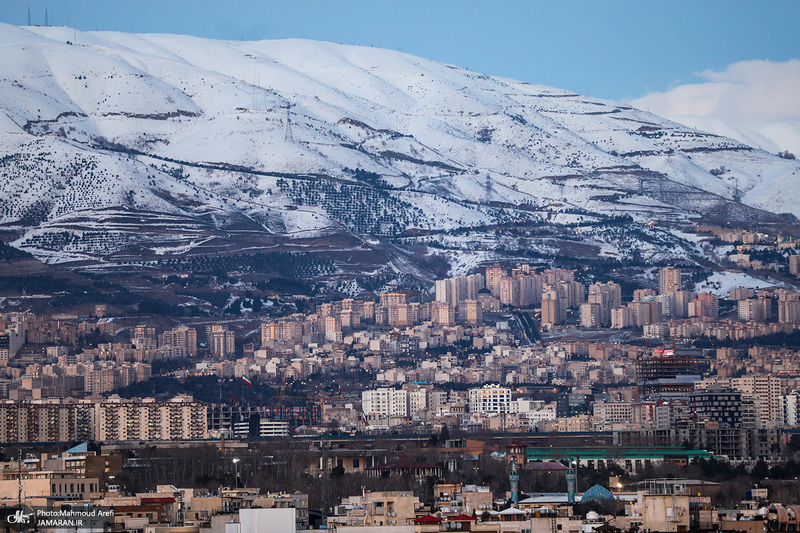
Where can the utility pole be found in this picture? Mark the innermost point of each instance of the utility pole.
(287, 136)
(19, 477)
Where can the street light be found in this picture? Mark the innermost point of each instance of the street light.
(236, 465)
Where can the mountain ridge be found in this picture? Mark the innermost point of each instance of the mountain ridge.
(275, 143)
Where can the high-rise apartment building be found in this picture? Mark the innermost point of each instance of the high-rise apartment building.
(553, 276)
(789, 311)
(790, 409)
(794, 265)
(442, 314)
(385, 402)
(470, 312)
(621, 318)
(455, 290)
(392, 298)
(553, 308)
(755, 309)
(181, 418)
(494, 274)
(50, 420)
(669, 280)
(706, 304)
(221, 340)
(591, 315)
(181, 337)
(765, 390)
(530, 289)
(282, 330)
(607, 296)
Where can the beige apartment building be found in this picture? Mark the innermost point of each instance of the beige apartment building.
(391, 508)
(50, 420)
(179, 418)
(56, 420)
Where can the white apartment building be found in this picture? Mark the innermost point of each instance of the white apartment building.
(543, 413)
(417, 401)
(452, 291)
(273, 428)
(385, 401)
(790, 409)
(490, 399)
(766, 391)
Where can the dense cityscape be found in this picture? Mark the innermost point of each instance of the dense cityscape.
(399, 267)
(520, 371)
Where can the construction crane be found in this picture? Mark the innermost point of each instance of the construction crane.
(282, 392)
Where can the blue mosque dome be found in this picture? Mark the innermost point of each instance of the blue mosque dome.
(597, 494)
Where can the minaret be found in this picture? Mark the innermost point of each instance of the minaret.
(513, 477)
(571, 480)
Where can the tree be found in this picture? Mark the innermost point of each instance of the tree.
(760, 470)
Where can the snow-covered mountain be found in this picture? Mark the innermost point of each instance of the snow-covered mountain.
(120, 147)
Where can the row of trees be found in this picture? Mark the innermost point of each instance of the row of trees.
(283, 465)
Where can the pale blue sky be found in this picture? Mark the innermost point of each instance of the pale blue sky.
(615, 49)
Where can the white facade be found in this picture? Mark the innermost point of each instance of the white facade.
(280, 520)
(384, 401)
(789, 409)
(490, 399)
(547, 412)
(766, 391)
(417, 400)
(273, 428)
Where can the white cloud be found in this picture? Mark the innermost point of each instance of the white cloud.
(756, 102)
